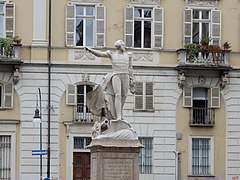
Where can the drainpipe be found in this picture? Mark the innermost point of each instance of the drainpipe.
(49, 86)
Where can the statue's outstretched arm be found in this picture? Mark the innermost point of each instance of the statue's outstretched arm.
(97, 53)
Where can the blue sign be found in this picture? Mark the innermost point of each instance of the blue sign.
(39, 152)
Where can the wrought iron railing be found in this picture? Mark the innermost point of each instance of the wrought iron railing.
(202, 116)
(83, 114)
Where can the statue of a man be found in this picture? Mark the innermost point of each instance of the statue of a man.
(110, 95)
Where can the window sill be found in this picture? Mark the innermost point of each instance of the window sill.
(201, 175)
(144, 110)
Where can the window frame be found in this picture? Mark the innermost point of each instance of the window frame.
(98, 25)
(144, 96)
(157, 26)
(143, 153)
(211, 155)
(214, 25)
(7, 95)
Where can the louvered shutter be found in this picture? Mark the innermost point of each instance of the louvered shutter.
(158, 27)
(216, 26)
(100, 26)
(187, 26)
(139, 96)
(8, 95)
(149, 95)
(215, 97)
(187, 96)
(10, 20)
(70, 25)
(129, 23)
(71, 94)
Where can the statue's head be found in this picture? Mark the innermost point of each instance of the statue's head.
(119, 44)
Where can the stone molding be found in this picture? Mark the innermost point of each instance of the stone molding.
(201, 2)
(155, 2)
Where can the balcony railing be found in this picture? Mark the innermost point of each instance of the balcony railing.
(204, 57)
(202, 117)
(83, 114)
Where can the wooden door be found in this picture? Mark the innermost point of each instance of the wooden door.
(81, 166)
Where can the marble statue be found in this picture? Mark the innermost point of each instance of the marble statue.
(108, 99)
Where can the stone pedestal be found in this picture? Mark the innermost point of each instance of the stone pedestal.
(115, 159)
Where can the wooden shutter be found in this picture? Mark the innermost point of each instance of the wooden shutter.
(10, 20)
(8, 95)
(100, 26)
(129, 24)
(216, 27)
(139, 96)
(215, 97)
(149, 95)
(158, 27)
(187, 96)
(187, 26)
(70, 25)
(71, 94)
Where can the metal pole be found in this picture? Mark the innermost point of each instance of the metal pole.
(40, 103)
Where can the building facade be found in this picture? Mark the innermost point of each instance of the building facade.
(186, 106)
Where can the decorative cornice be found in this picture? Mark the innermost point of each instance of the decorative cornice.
(202, 2)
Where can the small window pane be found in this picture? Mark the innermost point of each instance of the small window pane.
(147, 13)
(89, 32)
(195, 14)
(147, 34)
(89, 10)
(1, 8)
(145, 155)
(137, 33)
(1, 98)
(205, 29)
(205, 14)
(196, 33)
(137, 12)
(79, 32)
(79, 10)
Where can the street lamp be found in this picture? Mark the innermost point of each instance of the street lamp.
(38, 120)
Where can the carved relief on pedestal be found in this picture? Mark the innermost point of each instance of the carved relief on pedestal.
(144, 2)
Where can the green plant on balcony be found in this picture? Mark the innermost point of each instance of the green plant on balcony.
(7, 44)
(205, 41)
(226, 45)
(192, 50)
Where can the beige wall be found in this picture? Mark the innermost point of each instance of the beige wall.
(218, 132)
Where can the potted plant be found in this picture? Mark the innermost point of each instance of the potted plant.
(205, 42)
(192, 51)
(226, 45)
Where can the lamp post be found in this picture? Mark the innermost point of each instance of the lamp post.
(38, 119)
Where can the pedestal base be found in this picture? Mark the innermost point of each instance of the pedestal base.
(115, 159)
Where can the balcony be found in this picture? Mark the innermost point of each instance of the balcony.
(10, 51)
(212, 58)
(82, 114)
(202, 117)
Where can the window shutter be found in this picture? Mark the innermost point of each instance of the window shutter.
(187, 26)
(216, 26)
(129, 21)
(8, 95)
(100, 26)
(187, 96)
(10, 20)
(70, 25)
(158, 27)
(215, 97)
(71, 95)
(139, 96)
(149, 95)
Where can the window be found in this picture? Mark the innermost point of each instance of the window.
(201, 156)
(7, 19)
(5, 157)
(6, 95)
(81, 142)
(200, 24)
(145, 156)
(85, 25)
(76, 96)
(144, 27)
(144, 96)
(202, 102)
